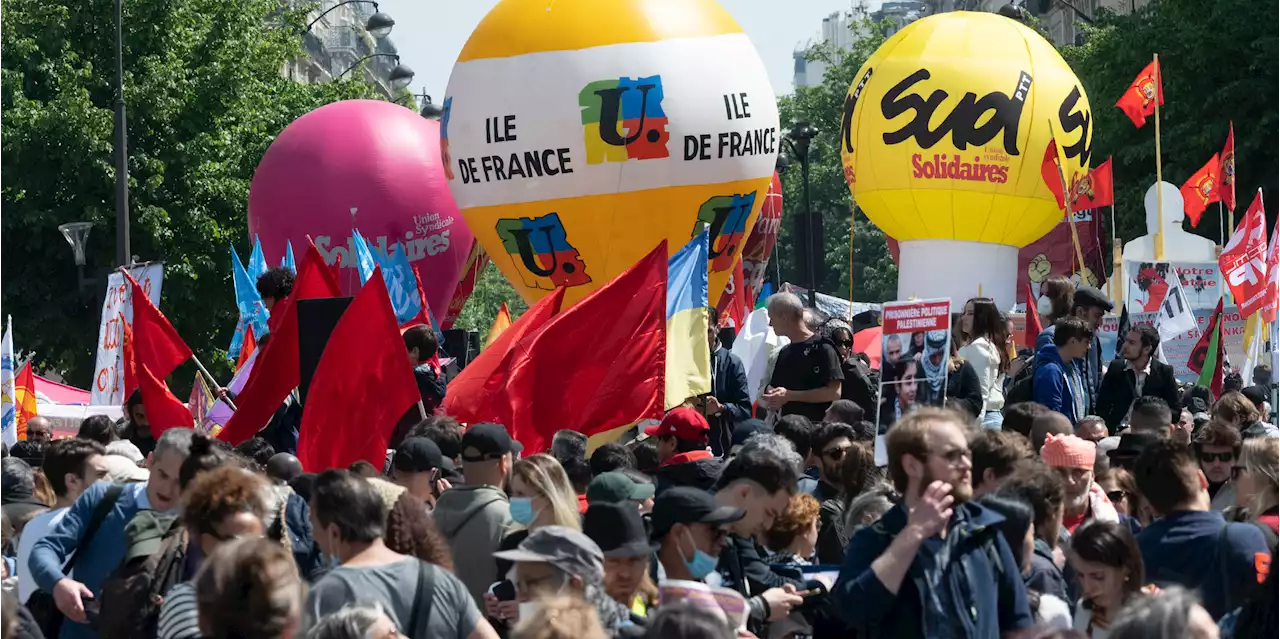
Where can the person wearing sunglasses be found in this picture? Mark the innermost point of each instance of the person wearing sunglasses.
(1217, 448)
(859, 385)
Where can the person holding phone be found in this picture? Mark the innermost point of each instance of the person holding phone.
(418, 466)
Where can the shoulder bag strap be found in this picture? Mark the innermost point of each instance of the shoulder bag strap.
(422, 609)
(100, 513)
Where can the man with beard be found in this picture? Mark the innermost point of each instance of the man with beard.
(1083, 499)
(935, 564)
(1137, 374)
(831, 443)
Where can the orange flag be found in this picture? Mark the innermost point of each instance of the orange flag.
(24, 398)
(500, 323)
(1140, 99)
(1227, 170)
(1200, 189)
(247, 346)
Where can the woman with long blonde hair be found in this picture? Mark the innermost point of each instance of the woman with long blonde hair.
(541, 495)
(1258, 485)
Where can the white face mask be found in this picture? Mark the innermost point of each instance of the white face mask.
(1044, 306)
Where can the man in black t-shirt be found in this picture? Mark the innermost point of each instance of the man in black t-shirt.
(807, 376)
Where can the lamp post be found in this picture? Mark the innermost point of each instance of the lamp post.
(121, 153)
(379, 24)
(797, 140)
(400, 76)
(77, 235)
(429, 110)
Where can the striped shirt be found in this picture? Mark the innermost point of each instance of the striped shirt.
(178, 617)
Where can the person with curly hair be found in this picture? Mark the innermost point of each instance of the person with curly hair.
(257, 582)
(793, 537)
(275, 285)
(411, 532)
(218, 506)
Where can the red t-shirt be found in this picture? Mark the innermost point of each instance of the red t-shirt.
(1272, 521)
(1073, 522)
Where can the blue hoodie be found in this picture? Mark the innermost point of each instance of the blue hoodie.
(1191, 549)
(1049, 385)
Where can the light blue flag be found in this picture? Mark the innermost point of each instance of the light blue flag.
(257, 261)
(402, 285)
(287, 262)
(253, 313)
(365, 262)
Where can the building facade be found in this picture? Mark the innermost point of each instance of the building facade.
(337, 41)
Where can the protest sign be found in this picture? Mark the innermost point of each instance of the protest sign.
(1148, 283)
(916, 350)
(108, 374)
(1177, 349)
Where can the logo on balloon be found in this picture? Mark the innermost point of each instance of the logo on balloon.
(999, 113)
(623, 120)
(727, 216)
(445, 158)
(539, 249)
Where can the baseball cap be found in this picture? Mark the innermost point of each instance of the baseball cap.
(484, 442)
(1255, 394)
(617, 529)
(613, 487)
(686, 505)
(744, 430)
(145, 533)
(683, 423)
(565, 548)
(419, 455)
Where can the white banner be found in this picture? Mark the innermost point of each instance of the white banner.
(1175, 316)
(108, 376)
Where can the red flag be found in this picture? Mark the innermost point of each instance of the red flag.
(1272, 298)
(126, 358)
(1049, 171)
(24, 401)
(156, 344)
(247, 346)
(1033, 328)
(596, 366)
(275, 373)
(1200, 189)
(1227, 170)
(362, 385)
(164, 410)
(732, 307)
(1209, 351)
(477, 259)
(474, 394)
(1244, 260)
(1140, 99)
(1095, 190)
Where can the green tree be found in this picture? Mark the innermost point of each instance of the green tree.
(492, 289)
(1218, 64)
(205, 98)
(875, 277)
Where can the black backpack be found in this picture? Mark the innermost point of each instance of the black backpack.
(132, 596)
(1022, 389)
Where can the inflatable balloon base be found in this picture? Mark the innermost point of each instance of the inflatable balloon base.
(958, 269)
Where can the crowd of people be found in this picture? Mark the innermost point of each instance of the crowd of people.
(1056, 496)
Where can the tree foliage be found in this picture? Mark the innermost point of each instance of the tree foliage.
(492, 289)
(1218, 64)
(205, 98)
(875, 277)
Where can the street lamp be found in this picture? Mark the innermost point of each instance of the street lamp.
(77, 234)
(400, 77)
(797, 141)
(429, 110)
(379, 24)
(121, 152)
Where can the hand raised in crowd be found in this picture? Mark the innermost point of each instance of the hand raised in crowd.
(67, 595)
(934, 510)
(781, 600)
(713, 405)
(497, 609)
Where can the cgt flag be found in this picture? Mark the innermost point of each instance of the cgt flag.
(1095, 190)
(1201, 189)
(1271, 301)
(1227, 170)
(1140, 99)
(1244, 260)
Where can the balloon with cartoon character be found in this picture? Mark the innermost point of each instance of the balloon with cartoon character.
(579, 134)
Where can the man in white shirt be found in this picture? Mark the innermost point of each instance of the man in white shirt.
(71, 465)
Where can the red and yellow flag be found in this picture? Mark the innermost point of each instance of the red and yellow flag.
(1140, 99)
(24, 398)
(1227, 170)
(1200, 189)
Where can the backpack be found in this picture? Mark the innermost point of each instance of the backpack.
(1022, 386)
(133, 594)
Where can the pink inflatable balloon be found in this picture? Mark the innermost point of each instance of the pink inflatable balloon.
(363, 164)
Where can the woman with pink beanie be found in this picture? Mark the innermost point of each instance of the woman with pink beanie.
(1083, 499)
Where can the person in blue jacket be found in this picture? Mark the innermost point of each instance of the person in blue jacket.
(935, 565)
(729, 403)
(1058, 383)
(101, 556)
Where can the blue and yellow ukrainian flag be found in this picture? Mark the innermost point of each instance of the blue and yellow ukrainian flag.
(688, 354)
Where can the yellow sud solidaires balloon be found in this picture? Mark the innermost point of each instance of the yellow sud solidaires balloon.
(579, 133)
(944, 132)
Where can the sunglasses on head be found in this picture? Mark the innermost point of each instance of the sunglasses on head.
(1212, 457)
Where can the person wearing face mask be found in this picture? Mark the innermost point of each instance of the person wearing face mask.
(728, 402)
(423, 599)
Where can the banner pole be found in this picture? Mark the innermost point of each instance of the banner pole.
(1159, 237)
(226, 400)
(853, 218)
(1117, 264)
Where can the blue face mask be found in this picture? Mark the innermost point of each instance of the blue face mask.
(522, 510)
(702, 564)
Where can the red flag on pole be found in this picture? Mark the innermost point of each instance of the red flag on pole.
(362, 385)
(1243, 261)
(1271, 301)
(1200, 189)
(732, 306)
(1227, 170)
(247, 346)
(156, 344)
(1207, 356)
(164, 411)
(1139, 100)
(1049, 172)
(1096, 190)
(1033, 328)
(276, 373)
(474, 394)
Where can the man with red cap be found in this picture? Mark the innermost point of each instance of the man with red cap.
(1083, 499)
(682, 451)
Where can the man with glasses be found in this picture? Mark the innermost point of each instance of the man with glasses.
(935, 564)
(859, 385)
(1218, 448)
(830, 443)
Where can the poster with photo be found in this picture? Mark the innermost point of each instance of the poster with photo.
(1148, 283)
(915, 357)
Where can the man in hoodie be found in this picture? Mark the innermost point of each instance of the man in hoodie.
(1090, 305)
(935, 565)
(682, 451)
(1058, 384)
(1188, 544)
(473, 517)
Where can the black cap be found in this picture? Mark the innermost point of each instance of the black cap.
(742, 431)
(1255, 394)
(685, 505)
(1089, 297)
(484, 442)
(618, 529)
(418, 455)
(1132, 444)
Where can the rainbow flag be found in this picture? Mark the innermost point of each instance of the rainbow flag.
(688, 354)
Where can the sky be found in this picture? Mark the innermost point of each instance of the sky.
(430, 34)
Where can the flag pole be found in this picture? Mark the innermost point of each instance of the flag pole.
(222, 396)
(1066, 200)
(853, 217)
(1117, 263)
(1222, 225)
(1159, 238)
